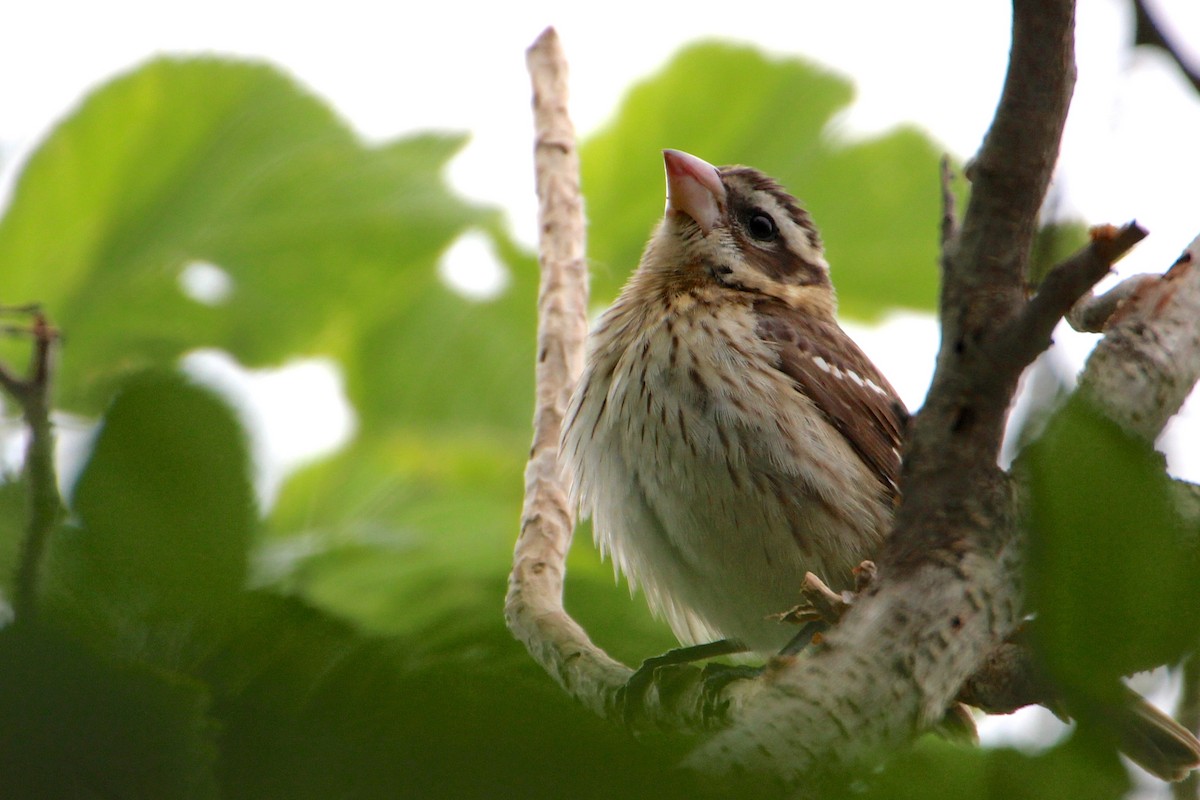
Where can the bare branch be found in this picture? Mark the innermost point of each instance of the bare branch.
(1146, 366)
(1147, 32)
(1091, 313)
(983, 281)
(533, 608)
(1028, 334)
(33, 395)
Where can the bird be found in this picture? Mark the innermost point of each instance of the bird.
(726, 435)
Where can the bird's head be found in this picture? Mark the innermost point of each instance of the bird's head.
(739, 228)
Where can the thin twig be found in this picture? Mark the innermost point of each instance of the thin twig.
(1091, 313)
(44, 505)
(1148, 32)
(1028, 333)
(533, 608)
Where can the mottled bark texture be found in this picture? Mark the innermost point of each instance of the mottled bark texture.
(533, 608)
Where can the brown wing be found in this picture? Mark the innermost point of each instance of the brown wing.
(829, 368)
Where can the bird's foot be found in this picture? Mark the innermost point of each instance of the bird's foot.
(675, 669)
(822, 604)
(822, 607)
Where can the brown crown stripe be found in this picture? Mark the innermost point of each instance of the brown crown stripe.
(762, 183)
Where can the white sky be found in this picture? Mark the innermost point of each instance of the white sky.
(390, 68)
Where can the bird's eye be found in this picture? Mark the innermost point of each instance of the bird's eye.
(762, 227)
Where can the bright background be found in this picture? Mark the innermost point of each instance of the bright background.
(1129, 151)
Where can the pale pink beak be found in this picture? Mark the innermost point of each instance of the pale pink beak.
(694, 188)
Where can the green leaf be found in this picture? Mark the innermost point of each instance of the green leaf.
(419, 511)
(164, 506)
(937, 769)
(420, 530)
(77, 725)
(310, 708)
(440, 360)
(1111, 592)
(228, 163)
(1053, 244)
(876, 202)
(330, 246)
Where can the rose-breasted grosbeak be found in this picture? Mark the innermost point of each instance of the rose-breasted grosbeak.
(727, 435)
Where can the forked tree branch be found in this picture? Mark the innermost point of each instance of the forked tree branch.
(1138, 376)
(949, 586)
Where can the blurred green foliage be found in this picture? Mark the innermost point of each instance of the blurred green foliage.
(1112, 593)
(936, 769)
(876, 202)
(348, 640)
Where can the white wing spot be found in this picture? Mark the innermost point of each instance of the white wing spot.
(850, 375)
(877, 388)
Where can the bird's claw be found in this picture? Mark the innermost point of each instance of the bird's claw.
(674, 671)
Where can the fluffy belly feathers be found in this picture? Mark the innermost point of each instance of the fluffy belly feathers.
(708, 480)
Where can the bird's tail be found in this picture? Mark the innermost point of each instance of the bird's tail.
(1153, 740)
